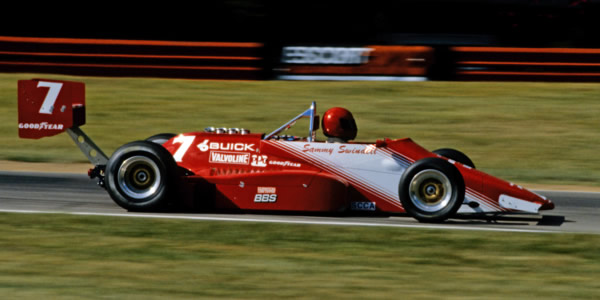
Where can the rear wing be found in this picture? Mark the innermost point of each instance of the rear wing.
(50, 107)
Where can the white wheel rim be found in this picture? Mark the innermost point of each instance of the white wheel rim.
(139, 177)
(430, 190)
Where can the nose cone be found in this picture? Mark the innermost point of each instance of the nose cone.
(543, 202)
(546, 203)
(517, 198)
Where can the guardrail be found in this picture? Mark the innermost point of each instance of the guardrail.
(251, 61)
(132, 58)
(526, 64)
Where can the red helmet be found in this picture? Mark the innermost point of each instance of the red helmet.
(338, 122)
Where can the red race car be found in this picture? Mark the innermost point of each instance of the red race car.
(226, 169)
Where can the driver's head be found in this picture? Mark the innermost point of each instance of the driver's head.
(339, 123)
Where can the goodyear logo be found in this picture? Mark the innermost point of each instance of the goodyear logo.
(41, 126)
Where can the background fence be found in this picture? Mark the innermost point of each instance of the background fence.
(462, 39)
(526, 64)
(104, 57)
(545, 40)
(253, 61)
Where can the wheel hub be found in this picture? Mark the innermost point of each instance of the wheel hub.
(139, 177)
(430, 190)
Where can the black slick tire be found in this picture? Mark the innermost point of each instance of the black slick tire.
(161, 138)
(431, 190)
(139, 176)
(455, 155)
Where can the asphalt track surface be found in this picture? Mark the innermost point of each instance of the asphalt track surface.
(31, 192)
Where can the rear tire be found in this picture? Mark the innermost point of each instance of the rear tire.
(455, 155)
(139, 176)
(431, 190)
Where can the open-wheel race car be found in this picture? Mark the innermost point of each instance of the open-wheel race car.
(231, 169)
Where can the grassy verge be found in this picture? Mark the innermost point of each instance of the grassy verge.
(523, 132)
(70, 257)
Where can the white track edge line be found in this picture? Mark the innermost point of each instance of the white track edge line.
(282, 221)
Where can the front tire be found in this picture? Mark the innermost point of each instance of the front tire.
(139, 176)
(161, 138)
(432, 190)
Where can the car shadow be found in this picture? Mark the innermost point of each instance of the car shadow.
(523, 220)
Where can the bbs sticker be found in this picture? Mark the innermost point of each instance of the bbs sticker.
(265, 195)
(265, 198)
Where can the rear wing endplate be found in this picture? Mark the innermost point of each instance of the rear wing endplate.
(50, 107)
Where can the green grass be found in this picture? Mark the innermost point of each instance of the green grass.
(75, 257)
(523, 132)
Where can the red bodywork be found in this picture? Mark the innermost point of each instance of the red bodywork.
(239, 170)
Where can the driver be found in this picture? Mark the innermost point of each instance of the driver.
(338, 125)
